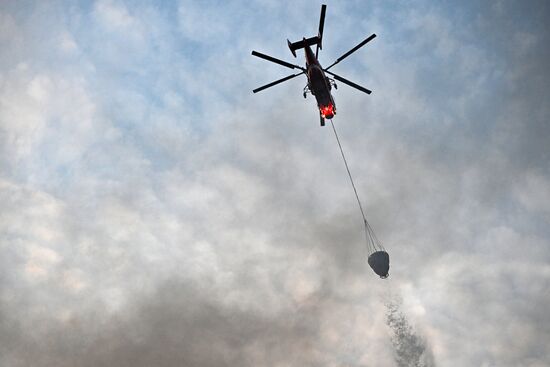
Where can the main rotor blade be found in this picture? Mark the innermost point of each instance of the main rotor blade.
(351, 84)
(370, 38)
(276, 82)
(321, 26)
(276, 61)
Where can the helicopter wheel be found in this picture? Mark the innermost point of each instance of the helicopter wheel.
(305, 95)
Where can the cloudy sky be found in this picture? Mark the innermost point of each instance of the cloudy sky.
(155, 212)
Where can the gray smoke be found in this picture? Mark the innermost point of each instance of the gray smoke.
(410, 349)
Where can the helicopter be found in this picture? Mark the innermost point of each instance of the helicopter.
(318, 83)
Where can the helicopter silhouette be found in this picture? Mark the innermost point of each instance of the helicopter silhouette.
(318, 83)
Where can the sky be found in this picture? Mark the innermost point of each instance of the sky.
(155, 212)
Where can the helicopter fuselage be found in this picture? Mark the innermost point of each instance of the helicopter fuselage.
(319, 85)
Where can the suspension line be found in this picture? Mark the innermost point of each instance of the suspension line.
(373, 243)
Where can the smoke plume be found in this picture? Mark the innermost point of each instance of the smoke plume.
(410, 349)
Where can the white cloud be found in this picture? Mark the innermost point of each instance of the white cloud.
(161, 212)
(533, 192)
(8, 28)
(113, 15)
(68, 43)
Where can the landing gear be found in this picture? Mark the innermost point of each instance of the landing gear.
(322, 119)
(306, 90)
(332, 83)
